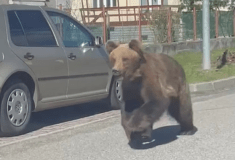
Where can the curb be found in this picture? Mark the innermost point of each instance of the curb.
(213, 85)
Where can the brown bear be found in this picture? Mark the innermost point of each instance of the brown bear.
(152, 84)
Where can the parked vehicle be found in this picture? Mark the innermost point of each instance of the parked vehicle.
(49, 60)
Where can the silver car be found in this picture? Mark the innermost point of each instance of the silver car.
(49, 60)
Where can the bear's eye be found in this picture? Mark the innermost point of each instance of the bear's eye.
(125, 59)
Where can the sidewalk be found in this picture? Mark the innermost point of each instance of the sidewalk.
(213, 85)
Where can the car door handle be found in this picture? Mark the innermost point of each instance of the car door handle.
(72, 56)
(29, 56)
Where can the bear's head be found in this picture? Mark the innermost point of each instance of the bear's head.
(126, 59)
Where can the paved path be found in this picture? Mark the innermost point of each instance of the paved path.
(105, 139)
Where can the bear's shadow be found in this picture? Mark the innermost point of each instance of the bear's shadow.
(160, 136)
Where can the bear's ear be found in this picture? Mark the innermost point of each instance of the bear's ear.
(110, 46)
(136, 46)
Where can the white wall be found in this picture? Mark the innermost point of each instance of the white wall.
(4, 1)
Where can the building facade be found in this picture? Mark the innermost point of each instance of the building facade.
(76, 5)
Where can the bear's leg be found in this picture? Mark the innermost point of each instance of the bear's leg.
(143, 118)
(124, 121)
(136, 132)
(128, 133)
(147, 133)
(185, 113)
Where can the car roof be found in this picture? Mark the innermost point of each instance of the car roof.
(27, 7)
(18, 6)
(30, 7)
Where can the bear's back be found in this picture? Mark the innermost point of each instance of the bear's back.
(166, 71)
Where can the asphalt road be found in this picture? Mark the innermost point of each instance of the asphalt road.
(214, 115)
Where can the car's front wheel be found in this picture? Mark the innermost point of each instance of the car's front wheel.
(16, 106)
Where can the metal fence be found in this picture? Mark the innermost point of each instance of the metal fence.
(130, 23)
(223, 27)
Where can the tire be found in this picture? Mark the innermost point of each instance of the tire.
(116, 97)
(16, 107)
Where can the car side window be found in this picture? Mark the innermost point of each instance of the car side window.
(17, 34)
(71, 32)
(32, 28)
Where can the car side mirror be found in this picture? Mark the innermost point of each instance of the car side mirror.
(98, 41)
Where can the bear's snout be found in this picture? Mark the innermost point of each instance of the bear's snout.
(116, 72)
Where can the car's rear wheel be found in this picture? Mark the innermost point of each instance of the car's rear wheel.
(116, 97)
(16, 106)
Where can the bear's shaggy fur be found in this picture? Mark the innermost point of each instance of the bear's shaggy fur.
(152, 84)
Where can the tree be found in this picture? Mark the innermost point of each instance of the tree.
(158, 24)
(73, 8)
(214, 4)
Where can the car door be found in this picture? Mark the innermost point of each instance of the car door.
(33, 41)
(88, 67)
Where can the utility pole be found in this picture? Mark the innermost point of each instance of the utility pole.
(206, 35)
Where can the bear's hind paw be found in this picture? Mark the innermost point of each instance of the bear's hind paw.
(189, 132)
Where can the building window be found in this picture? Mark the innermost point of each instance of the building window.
(95, 4)
(114, 3)
(111, 3)
(151, 2)
(143, 2)
(107, 3)
(100, 3)
(157, 2)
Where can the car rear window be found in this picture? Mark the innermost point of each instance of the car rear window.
(29, 28)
